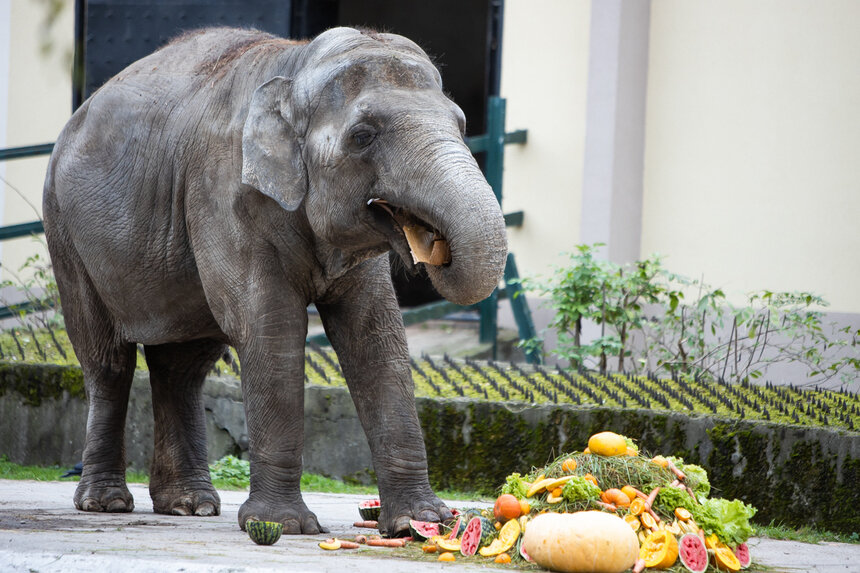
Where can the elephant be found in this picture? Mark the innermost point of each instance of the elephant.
(209, 193)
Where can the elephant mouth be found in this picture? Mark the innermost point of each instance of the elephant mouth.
(415, 240)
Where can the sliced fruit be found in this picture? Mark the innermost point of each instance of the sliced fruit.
(713, 542)
(446, 544)
(429, 548)
(591, 478)
(422, 530)
(538, 486)
(457, 527)
(660, 461)
(370, 509)
(508, 535)
(742, 552)
(660, 550)
(330, 544)
(553, 499)
(607, 444)
(673, 528)
(523, 552)
(648, 521)
(682, 513)
(557, 482)
(471, 537)
(693, 553)
(633, 522)
(637, 506)
(726, 560)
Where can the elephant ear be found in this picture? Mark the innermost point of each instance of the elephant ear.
(271, 153)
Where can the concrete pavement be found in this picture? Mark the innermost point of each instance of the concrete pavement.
(40, 530)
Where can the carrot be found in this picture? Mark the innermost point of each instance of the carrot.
(654, 515)
(675, 483)
(607, 506)
(639, 566)
(638, 493)
(348, 544)
(368, 524)
(651, 497)
(386, 542)
(690, 491)
(678, 473)
(360, 538)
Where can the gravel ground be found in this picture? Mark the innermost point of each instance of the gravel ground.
(40, 530)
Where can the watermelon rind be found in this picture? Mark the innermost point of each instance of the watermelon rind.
(522, 551)
(742, 552)
(488, 531)
(264, 532)
(693, 553)
(370, 510)
(422, 530)
(458, 526)
(471, 539)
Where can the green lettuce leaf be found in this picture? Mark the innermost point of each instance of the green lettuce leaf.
(729, 520)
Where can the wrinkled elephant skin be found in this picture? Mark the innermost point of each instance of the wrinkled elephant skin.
(210, 192)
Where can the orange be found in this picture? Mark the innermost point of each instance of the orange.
(568, 465)
(556, 492)
(629, 491)
(648, 521)
(447, 556)
(637, 506)
(660, 549)
(507, 507)
(525, 508)
(586, 451)
(591, 478)
(632, 522)
(429, 548)
(682, 513)
(726, 560)
(502, 558)
(660, 461)
(631, 452)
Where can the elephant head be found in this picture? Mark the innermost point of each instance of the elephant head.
(362, 137)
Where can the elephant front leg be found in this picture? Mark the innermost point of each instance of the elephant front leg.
(366, 329)
(272, 361)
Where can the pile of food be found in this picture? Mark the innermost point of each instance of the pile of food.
(605, 509)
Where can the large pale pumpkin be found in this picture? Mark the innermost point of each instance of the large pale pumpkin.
(580, 542)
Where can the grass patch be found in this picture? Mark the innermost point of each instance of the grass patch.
(9, 470)
(804, 534)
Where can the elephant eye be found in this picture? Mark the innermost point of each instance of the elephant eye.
(361, 136)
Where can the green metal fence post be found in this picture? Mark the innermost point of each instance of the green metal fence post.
(522, 314)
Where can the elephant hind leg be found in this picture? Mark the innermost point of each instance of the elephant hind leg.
(179, 481)
(108, 366)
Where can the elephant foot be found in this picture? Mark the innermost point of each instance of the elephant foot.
(199, 499)
(295, 515)
(104, 496)
(399, 508)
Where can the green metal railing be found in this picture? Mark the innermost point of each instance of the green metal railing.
(492, 143)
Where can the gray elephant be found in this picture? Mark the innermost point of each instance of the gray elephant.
(210, 192)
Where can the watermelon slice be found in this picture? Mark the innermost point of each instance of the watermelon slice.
(471, 539)
(370, 509)
(522, 550)
(693, 553)
(422, 530)
(742, 552)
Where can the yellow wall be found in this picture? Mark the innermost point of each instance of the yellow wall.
(39, 104)
(544, 73)
(752, 175)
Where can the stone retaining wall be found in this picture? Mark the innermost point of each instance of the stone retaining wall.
(793, 474)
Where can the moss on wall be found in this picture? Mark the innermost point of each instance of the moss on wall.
(37, 382)
(793, 475)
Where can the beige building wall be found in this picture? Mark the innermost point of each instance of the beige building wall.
(752, 176)
(544, 79)
(38, 104)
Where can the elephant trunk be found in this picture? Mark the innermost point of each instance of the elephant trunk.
(459, 204)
